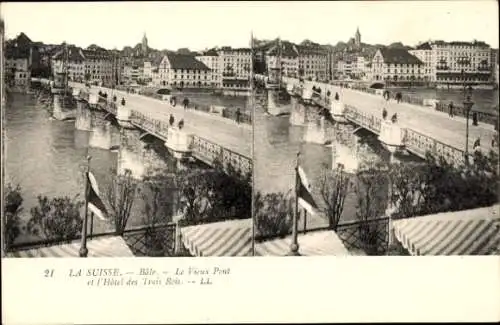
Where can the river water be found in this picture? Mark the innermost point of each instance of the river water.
(484, 99)
(48, 157)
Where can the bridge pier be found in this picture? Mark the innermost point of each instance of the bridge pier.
(337, 111)
(123, 116)
(178, 145)
(317, 131)
(391, 136)
(298, 114)
(83, 119)
(101, 131)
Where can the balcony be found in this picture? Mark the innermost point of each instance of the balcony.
(442, 67)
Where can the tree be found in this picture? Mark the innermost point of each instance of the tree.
(58, 218)
(13, 202)
(209, 195)
(158, 195)
(371, 192)
(120, 196)
(334, 186)
(273, 214)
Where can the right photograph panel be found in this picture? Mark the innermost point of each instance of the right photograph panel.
(364, 150)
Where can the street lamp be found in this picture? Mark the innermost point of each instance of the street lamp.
(468, 106)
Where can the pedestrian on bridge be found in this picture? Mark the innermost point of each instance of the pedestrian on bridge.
(181, 124)
(238, 115)
(399, 97)
(450, 109)
(123, 101)
(337, 96)
(474, 118)
(394, 118)
(171, 120)
(384, 113)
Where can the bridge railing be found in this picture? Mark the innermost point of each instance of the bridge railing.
(483, 117)
(420, 144)
(210, 152)
(363, 119)
(150, 124)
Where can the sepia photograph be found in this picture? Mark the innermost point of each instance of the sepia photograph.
(136, 149)
(355, 140)
(370, 141)
(220, 137)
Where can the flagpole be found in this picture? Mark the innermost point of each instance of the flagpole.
(91, 224)
(294, 247)
(305, 220)
(83, 249)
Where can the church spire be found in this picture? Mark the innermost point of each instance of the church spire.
(357, 37)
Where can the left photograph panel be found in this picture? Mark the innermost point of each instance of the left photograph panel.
(126, 147)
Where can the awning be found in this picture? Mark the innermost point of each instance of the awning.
(315, 243)
(469, 232)
(102, 247)
(226, 238)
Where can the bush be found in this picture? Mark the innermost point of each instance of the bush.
(58, 218)
(273, 215)
(120, 196)
(214, 195)
(13, 202)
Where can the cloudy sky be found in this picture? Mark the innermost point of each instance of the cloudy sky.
(198, 25)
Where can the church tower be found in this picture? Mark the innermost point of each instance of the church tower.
(357, 38)
(144, 46)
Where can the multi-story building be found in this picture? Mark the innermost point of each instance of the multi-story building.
(18, 59)
(312, 61)
(396, 66)
(183, 71)
(283, 56)
(212, 60)
(98, 65)
(235, 66)
(494, 66)
(75, 63)
(455, 63)
(346, 68)
(424, 53)
(133, 72)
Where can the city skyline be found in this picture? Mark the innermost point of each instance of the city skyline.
(445, 22)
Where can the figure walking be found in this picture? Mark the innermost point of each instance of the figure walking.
(394, 118)
(181, 124)
(474, 118)
(238, 114)
(450, 109)
(384, 113)
(171, 120)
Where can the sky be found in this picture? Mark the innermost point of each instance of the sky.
(200, 25)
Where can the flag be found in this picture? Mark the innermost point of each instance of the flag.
(94, 201)
(304, 195)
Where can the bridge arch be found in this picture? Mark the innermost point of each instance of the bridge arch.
(377, 85)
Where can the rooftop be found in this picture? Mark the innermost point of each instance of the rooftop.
(74, 54)
(287, 49)
(398, 56)
(183, 61)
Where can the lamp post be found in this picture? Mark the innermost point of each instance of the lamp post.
(467, 105)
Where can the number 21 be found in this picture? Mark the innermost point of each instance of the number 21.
(49, 273)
